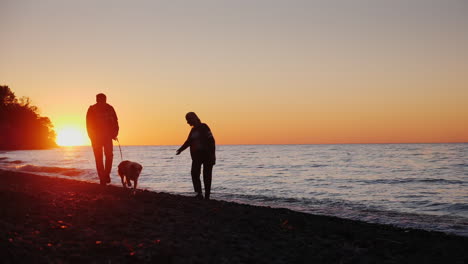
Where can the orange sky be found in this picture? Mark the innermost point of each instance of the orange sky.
(257, 72)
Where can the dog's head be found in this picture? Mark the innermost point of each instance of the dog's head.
(136, 167)
(130, 169)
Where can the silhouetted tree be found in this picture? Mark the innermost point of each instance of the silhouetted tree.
(21, 127)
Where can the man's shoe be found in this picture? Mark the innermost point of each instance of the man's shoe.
(199, 196)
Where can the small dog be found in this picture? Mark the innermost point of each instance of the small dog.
(129, 170)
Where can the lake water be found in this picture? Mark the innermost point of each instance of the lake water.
(408, 185)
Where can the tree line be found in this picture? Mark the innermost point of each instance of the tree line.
(21, 127)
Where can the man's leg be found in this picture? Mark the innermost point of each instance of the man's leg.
(97, 150)
(109, 153)
(207, 175)
(196, 169)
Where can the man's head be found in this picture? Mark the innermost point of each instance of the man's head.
(101, 98)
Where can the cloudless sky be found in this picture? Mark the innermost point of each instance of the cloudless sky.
(256, 71)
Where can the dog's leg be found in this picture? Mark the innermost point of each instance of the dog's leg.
(122, 179)
(135, 183)
(129, 183)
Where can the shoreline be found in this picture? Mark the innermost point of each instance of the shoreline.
(46, 219)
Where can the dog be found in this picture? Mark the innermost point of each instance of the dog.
(129, 170)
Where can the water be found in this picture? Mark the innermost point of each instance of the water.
(408, 185)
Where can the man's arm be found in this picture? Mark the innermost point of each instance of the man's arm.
(89, 122)
(115, 124)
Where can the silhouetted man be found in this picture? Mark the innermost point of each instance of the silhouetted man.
(202, 150)
(102, 125)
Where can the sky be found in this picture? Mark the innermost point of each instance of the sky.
(256, 71)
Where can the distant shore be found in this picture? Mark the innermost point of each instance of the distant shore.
(51, 220)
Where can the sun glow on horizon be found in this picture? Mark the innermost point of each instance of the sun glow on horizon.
(68, 136)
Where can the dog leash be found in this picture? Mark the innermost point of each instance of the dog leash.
(121, 157)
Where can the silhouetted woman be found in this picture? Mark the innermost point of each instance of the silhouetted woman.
(202, 150)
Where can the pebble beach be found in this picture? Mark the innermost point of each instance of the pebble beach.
(51, 220)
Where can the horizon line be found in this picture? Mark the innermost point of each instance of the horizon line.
(292, 144)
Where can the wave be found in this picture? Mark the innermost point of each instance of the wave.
(5, 160)
(458, 207)
(72, 172)
(410, 180)
(16, 165)
(356, 211)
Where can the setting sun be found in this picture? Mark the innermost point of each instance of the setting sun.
(71, 136)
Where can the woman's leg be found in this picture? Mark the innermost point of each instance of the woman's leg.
(196, 169)
(207, 175)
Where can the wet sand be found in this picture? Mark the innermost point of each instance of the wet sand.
(51, 220)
